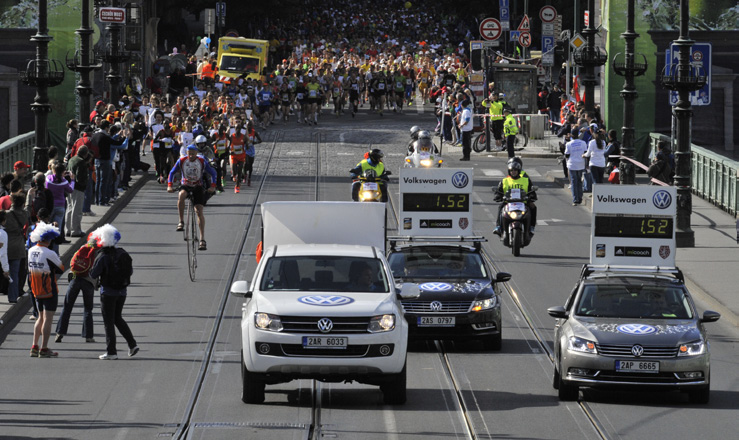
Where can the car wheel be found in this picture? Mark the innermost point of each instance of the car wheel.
(494, 342)
(566, 391)
(252, 386)
(700, 396)
(394, 391)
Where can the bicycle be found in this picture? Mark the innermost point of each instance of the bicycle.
(191, 236)
(522, 139)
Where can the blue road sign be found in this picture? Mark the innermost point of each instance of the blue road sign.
(547, 43)
(515, 35)
(505, 14)
(504, 4)
(220, 9)
(700, 61)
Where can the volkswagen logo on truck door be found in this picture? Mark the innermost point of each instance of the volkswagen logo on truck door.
(325, 300)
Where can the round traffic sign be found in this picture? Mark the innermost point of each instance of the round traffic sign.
(524, 39)
(697, 56)
(548, 14)
(490, 29)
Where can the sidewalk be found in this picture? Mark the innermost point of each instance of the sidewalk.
(103, 215)
(710, 268)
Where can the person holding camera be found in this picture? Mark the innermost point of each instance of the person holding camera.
(60, 184)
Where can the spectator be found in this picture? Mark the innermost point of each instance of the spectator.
(39, 197)
(81, 281)
(660, 170)
(5, 183)
(574, 151)
(60, 184)
(16, 224)
(612, 149)
(20, 170)
(79, 169)
(5, 279)
(16, 187)
(73, 134)
(104, 164)
(596, 156)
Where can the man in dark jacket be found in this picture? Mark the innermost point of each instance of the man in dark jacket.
(78, 166)
(104, 162)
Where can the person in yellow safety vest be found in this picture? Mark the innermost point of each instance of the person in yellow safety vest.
(516, 179)
(373, 167)
(510, 130)
(496, 117)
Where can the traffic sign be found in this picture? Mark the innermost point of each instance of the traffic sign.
(700, 63)
(505, 18)
(490, 29)
(504, 3)
(525, 25)
(210, 21)
(547, 49)
(221, 9)
(525, 39)
(577, 41)
(514, 35)
(547, 28)
(112, 15)
(548, 14)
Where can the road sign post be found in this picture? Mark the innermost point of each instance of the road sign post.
(490, 29)
(700, 60)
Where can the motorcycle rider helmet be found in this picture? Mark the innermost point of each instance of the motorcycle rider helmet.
(517, 160)
(414, 131)
(376, 155)
(514, 167)
(424, 135)
(198, 130)
(201, 139)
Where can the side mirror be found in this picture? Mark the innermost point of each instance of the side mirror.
(502, 277)
(241, 289)
(533, 188)
(557, 312)
(710, 316)
(409, 291)
(388, 172)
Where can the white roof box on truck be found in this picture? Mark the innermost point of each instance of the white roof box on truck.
(323, 223)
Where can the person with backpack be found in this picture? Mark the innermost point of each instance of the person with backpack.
(80, 280)
(113, 266)
(39, 197)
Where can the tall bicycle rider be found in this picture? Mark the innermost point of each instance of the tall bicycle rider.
(193, 169)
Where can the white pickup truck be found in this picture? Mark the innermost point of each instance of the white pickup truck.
(322, 304)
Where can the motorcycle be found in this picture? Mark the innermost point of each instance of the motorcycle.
(516, 219)
(422, 159)
(370, 187)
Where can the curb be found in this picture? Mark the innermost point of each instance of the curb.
(24, 302)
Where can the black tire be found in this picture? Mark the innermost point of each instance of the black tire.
(521, 140)
(555, 379)
(479, 144)
(516, 242)
(192, 245)
(252, 387)
(494, 342)
(394, 392)
(700, 396)
(567, 392)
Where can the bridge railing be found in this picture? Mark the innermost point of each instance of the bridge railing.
(17, 148)
(715, 178)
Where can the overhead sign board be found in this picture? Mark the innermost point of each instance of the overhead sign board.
(700, 62)
(112, 15)
(633, 225)
(525, 25)
(436, 201)
(548, 14)
(490, 29)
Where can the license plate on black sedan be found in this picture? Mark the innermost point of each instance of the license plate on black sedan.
(436, 321)
(325, 342)
(637, 367)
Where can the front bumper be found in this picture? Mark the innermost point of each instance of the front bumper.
(593, 370)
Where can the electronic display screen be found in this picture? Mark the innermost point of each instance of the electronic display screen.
(436, 202)
(629, 226)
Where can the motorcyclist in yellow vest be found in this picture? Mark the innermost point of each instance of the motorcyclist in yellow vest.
(516, 179)
(495, 107)
(510, 130)
(372, 164)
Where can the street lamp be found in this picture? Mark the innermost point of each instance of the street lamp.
(629, 68)
(114, 56)
(684, 79)
(589, 56)
(42, 73)
(83, 64)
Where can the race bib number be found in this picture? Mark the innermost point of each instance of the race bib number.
(399, 84)
(299, 96)
(337, 90)
(355, 86)
(381, 86)
(312, 93)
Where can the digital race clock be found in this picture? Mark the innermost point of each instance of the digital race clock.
(633, 226)
(415, 202)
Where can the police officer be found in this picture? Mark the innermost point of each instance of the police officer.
(373, 164)
(516, 179)
(510, 130)
(495, 107)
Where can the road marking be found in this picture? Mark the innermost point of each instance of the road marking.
(493, 173)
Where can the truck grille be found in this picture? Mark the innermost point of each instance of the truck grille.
(446, 306)
(660, 352)
(309, 324)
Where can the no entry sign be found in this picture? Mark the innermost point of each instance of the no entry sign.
(548, 14)
(490, 29)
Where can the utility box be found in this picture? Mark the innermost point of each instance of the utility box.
(537, 126)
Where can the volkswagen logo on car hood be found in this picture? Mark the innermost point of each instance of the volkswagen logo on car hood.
(435, 287)
(326, 300)
(636, 329)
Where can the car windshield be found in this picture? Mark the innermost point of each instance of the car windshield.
(233, 63)
(325, 274)
(431, 262)
(634, 301)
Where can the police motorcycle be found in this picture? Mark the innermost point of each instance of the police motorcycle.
(423, 153)
(367, 185)
(516, 219)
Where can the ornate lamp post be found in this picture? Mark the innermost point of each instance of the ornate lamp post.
(83, 64)
(625, 65)
(684, 79)
(589, 56)
(114, 56)
(42, 73)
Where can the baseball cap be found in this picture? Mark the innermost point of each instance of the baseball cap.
(192, 147)
(20, 164)
(99, 103)
(594, 126)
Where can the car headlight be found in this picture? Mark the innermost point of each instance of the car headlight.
(382, 323)
(582, 345)
(265, 321)
(484, 304)
(425, 162)
(692, 349)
